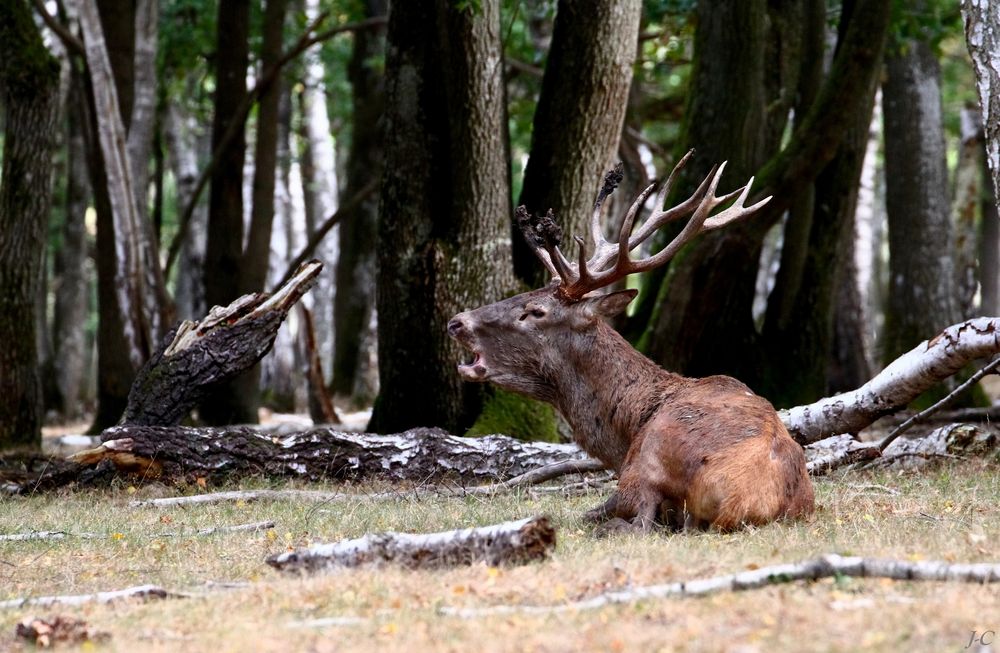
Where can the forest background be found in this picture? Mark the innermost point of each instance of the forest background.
(181, 153)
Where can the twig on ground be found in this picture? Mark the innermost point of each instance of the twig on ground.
(512, 543)
(59, 535)
(830, 565)
(926, 455)
(242, 495)
(44, 535)
(908, 424)
(143, 592)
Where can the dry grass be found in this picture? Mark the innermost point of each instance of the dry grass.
(952, 513)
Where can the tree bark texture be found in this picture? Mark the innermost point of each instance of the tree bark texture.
(355, 275)
(578, 120)
(921, 268)
(138, 281)
(509, 543)
(443, 234)
(982, 34)
(198, 357)
(29, 96)
(419, 455)
(231, 402)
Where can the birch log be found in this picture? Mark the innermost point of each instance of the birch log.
(899, 383)
(509, 543)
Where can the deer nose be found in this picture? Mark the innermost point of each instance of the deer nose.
(455, 326)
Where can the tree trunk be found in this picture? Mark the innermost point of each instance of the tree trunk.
(72, 290)
(965, 208)
(921, 270)
(825, 301)
(29, 95)
(982, 33)
(443, 234)
(578, 120)
(354, 300)
(704, 323)
(232, 402)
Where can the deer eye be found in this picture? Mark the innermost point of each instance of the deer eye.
(533, 311)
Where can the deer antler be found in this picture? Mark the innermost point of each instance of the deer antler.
(611, 261)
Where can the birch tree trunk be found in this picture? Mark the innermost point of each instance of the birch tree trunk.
(982, 33)
(183, 136)
(321, 200)
(29, 96)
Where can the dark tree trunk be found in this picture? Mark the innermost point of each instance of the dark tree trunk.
(29, 96)
(355, 281)
(236, 401)
(443, 235)
(71, 288)
(800, 345)
(578, 120)
(921, 273)
(989, 247)
(704, 324)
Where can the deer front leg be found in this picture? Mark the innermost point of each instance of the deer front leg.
(605, 511)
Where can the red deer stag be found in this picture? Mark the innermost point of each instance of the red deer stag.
(689, 453)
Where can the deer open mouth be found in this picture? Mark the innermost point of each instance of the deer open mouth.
(474, 370)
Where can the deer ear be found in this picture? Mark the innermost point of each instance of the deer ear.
(613, 303)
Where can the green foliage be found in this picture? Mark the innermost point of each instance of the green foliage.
(517, 416)
(931, 21)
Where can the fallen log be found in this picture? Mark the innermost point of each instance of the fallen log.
(902, 381)
(509, 543)
(422, 455)
(826, 566)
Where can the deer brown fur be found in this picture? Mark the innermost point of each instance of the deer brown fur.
(689, 452)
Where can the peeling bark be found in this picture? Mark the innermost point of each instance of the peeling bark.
(982, 34)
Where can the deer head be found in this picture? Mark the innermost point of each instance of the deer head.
(519, 343)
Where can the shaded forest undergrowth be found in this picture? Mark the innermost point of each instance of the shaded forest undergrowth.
(949, 512)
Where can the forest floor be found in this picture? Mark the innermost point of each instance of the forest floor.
(950, 513)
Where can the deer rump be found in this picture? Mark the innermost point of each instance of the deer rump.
(690, 453)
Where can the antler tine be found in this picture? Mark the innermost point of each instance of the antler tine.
(584, 279)
(684, 209)
(611, 181)
(737, 210)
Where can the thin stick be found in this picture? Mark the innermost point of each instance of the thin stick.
(143, 592)
(827, 566)
(328, 224)
(905, 426)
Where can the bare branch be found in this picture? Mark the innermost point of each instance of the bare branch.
(827, 566)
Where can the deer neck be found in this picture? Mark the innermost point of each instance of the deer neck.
(607, 391)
